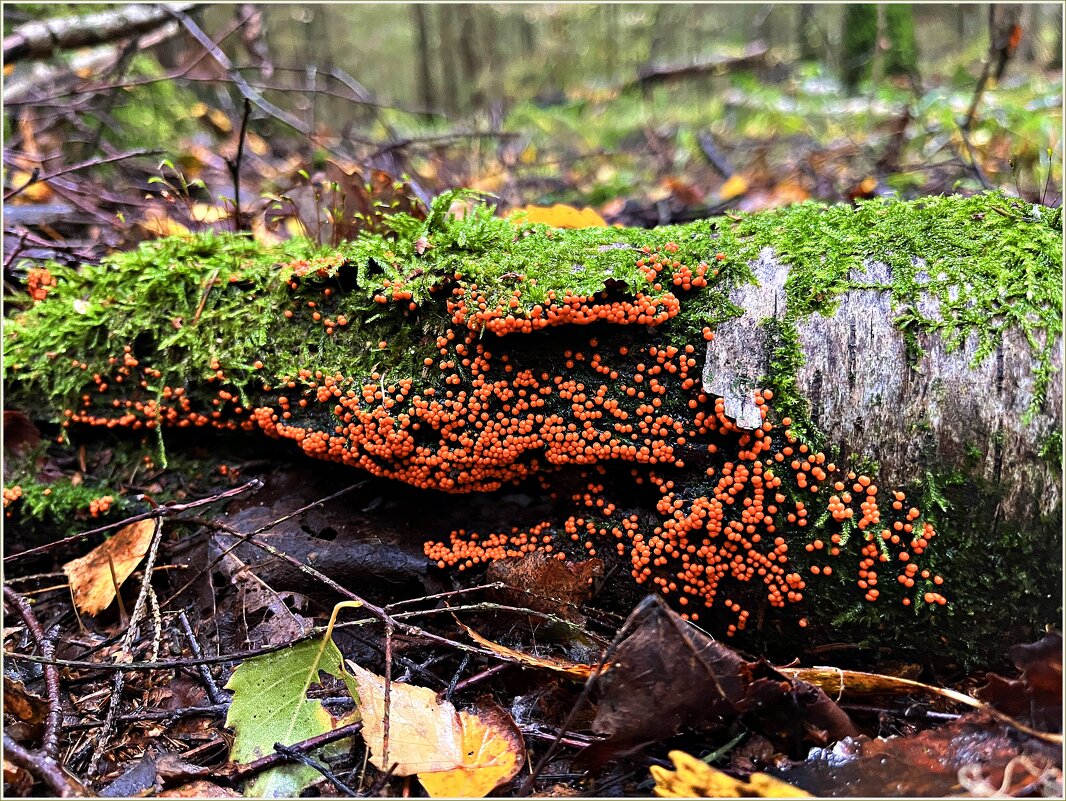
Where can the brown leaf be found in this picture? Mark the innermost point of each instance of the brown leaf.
(20, 434)
(1036, 696)
(23, 704)
(929, 764)
(668, 674)
(200, 789)
(90, 575)
(539, 582)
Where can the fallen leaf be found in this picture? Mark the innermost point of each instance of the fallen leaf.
(90, 576)
(734, 187)
(270, 705)
(492, 752)
(558, 216)
(23, 704)
(158, 223)
(37, 192)
(453, 753)
(693, 778)
(561, 587)
(929, 764)
(556, 664)
(1037, 695)
(667, 674)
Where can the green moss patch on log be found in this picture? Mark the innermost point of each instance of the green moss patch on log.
(465, 353)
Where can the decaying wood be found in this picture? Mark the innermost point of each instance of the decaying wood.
(861, 385)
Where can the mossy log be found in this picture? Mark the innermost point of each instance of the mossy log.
(846, 417)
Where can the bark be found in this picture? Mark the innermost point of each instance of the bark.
(881, 405)
(425, 72)
(42, 38)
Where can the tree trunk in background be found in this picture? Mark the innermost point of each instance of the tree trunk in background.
(448, 45)
(425, 74)
(492, 69)
(807, 34)
(469, 56)
(902, 55)
(859, 39)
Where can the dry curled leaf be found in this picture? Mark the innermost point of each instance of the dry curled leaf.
(454, 753)
(90, 576)
(557, 664)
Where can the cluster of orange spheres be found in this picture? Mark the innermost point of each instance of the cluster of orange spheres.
(731, 503)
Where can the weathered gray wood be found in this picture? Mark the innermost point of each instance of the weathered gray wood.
(874, 404)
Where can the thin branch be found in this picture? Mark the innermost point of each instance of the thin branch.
(39, 39)
(210, 684)
(50, 738)
(47, 770)
(234, 166)
(235, 772)
(83, 165)
(160, 511)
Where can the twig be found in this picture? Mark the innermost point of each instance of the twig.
(973, 159)
(119, 69)
(39, 39)
(125, 650)
(477, 678)
(234, 166)
(242, 85)
(168, 510)
(315, 632)
(205, 675)
(50, 738)
(292, 755)
(46, 769)
(264, 528)
(15, 251)
(84, 165)
(605, 658)
(34, 176)
(235, 772)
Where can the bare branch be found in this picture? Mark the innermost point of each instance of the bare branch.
(42, 38)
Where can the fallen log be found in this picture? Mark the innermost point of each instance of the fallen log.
(847, 418)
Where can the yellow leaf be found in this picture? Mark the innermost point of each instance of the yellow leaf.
(37, 192)
(198, 109)
(157, 223)
(694, 778)
(220, 120)
(558, 216)
(256, 143)
(492, 752)
(90, 575)
(206, 213)
(735, 186)
(458, 754)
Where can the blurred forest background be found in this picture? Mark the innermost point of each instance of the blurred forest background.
(649, 113)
